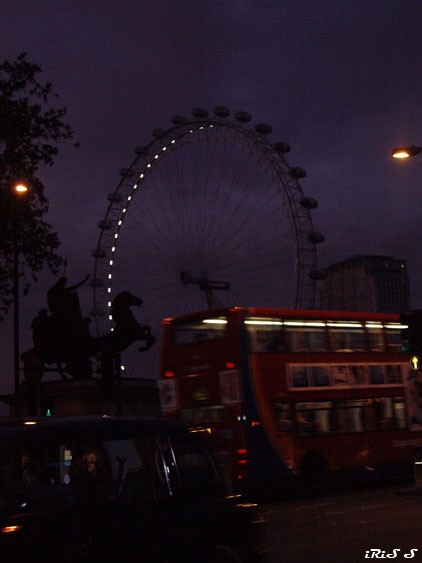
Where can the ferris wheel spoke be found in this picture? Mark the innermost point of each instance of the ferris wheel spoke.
(209, 213)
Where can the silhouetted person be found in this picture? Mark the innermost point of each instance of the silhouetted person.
(62, 301)
(92, 477)
(41, 333)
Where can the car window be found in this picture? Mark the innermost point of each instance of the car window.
(140, 473)
(29, 464)
(129, 470)
(146, 467)
(125, 468)
(197, 472)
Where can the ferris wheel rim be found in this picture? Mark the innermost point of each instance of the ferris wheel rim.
(305, 238)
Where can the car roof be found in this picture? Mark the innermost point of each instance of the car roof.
(100, 427)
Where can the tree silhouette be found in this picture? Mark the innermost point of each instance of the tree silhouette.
(31, 127)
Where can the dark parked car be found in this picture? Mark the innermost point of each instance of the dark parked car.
(117, 489)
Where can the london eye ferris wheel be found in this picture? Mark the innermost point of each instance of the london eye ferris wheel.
(208, 214)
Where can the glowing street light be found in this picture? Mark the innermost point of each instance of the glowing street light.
(19, 190)
(406, 152)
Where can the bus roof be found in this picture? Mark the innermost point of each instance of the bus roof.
(293, 313)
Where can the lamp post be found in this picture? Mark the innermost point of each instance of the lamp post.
(406, 152)
(19, 190)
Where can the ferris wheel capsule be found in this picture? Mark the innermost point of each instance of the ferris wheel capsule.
(316, 237)
(297, 172)
(115, 197)
(105, 224)
(99, 253)
(282, 147)
(126, 172)
(178, 119)
(200, 113)
(309, 203)
(221, 111)
(318, 274)
(263, 128)
(243, 116)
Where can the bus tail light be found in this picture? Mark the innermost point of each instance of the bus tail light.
(241, 463)
(230, 365)
(168, 373)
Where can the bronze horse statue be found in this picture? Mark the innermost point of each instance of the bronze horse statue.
(65, 340)
(126, 331)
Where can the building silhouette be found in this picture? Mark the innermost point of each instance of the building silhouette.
(366, 283)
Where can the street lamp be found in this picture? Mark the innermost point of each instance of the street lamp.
(19, 190)
(406, 152)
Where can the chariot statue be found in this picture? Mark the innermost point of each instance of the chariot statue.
(62, 338)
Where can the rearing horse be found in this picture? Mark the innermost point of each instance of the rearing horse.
(127, 330)
(71, 349)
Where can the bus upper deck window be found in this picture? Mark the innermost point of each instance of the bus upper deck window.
(347, 336)
(393, 338)
(199, 330)
(306, 336)
(375, 334)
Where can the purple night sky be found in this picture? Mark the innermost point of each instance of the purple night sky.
(339, 80)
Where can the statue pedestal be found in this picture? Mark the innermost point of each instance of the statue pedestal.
(129, 396)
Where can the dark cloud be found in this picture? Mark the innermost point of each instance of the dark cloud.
(339, 80)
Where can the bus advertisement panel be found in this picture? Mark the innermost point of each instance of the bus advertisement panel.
(286, 392)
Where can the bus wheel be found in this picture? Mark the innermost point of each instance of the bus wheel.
(314, 462)
(225, 554)
(314, 475)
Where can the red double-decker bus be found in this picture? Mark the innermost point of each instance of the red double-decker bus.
(285, 392)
